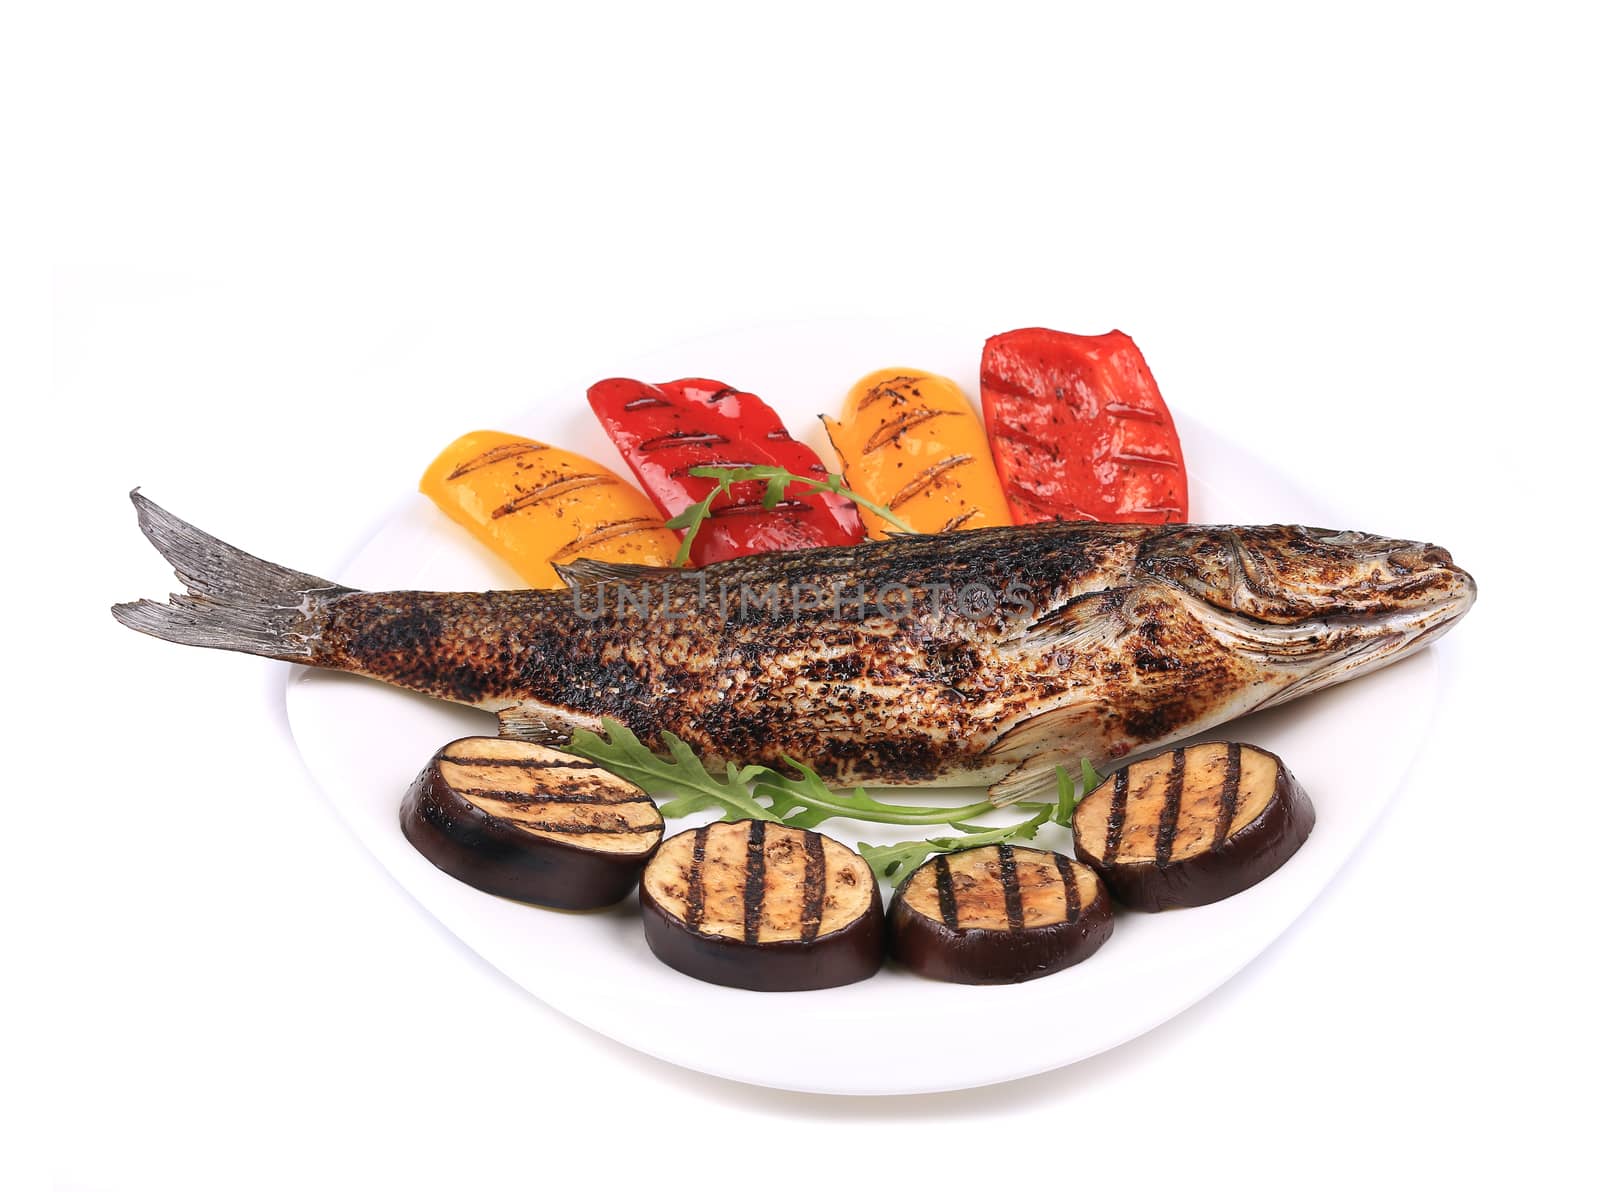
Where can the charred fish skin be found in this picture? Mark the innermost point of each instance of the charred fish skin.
(916, 659)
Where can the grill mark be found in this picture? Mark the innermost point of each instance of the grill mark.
(816, 881)
(885, 389)
(495, 455)
(682, 470)
(1117, 815)
(1167, 826)
(755, 880)
(959, 520)
(526, 763)
(694, 902)
(1133, 457)
(586, 829)
(1014, 388)
(1229, 799)
(530, 800)
(550, 492)
(725, 392)
(1011, 433)
(1069, 886)
(948, 911)
(607, 533)
(1029, 500)
(1011, 888)
(1124, 410)
(926, 478)
(683, 438)
(745, 509)
(890, 431)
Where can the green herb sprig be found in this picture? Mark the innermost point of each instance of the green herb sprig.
(777, 481)
(803, 800)
(681, 774)
(893, 861)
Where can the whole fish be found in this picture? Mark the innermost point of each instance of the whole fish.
(943, 658)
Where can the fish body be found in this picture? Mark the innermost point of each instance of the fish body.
(949, 658)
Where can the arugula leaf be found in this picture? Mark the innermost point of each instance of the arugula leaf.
(1069, 793)
(807, 801)
(893, 861)
(890, 862)
(691, 519)
(1066, 798)
(683, 774)
(777, 488)
(779, 479)
(761, 792)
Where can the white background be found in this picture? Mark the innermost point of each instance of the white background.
(297, 247)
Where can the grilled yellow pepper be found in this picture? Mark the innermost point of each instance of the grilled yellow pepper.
(912, 441)
(535, 505)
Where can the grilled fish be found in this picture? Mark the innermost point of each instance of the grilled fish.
(947, 658)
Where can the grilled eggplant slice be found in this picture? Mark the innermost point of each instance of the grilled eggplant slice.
(1192, 826)
(997, 915)
(758, 905)
(526, 822)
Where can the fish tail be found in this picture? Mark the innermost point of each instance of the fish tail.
(234, 601)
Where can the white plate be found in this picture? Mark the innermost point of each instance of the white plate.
(1351, 747)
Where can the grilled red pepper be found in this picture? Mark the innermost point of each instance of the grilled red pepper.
(1079, 430)
(664, 430)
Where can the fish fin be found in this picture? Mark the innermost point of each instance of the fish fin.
(543, 727)
(595, 571)
(1073, 729)
(234, 601)
(1035, 778)
(1092, 618)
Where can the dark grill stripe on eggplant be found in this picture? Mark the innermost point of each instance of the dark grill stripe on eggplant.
(1010, 888)
(1192, 826)
(998, 914)
(1228, 800)
(695, 904)
(560, 763)
(1119, 811)
(949, 915)
(755, 880)
(760, 905)
(816, 880)
(1168, 827)
(1069, 887)
(552, 796)
(556, 828)
(517, 819)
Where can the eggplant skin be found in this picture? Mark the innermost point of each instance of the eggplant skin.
(477, 849)
(1243, 859)
(986, 956)
(850, 954)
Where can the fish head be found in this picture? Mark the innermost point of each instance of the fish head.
(1318, 604)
